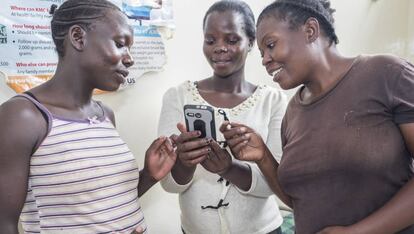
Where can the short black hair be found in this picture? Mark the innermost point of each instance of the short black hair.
(296, 12)
(236, 6)
(76, 12)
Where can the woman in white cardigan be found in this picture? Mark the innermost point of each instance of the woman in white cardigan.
(217, 193)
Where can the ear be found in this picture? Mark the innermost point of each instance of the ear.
(77, 37)
(312, 29)
(251, 45)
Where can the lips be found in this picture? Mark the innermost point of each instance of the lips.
(274, 72)
(122, 74)
(221, 59)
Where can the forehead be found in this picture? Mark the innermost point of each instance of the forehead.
(224, 21)
(272, 26)
(115, 22)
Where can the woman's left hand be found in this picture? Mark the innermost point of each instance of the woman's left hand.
(336, 230)
(218, 161)
(160, 158)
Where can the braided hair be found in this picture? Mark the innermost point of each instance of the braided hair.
(296, 12)
(235, 6)
(76, 12)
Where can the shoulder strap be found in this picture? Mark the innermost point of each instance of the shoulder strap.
(43, 110)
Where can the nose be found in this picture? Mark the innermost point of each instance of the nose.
(220, 49)
(266, 59)
(127, 60)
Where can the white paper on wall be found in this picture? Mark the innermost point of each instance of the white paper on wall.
(28, 53)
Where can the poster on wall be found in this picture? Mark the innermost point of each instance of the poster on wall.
(28, 53)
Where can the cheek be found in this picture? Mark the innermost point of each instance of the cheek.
(282, 52)
(114, 58)
(206, 51)
(241, 52)
(111, 55)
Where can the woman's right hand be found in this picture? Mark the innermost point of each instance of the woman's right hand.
(244, 142)
(190, 150)
(138, 230)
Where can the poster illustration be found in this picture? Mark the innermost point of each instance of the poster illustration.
(28, 53)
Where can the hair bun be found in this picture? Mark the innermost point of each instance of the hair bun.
(52, 9)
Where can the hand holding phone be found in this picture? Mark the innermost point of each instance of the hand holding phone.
(200, 118)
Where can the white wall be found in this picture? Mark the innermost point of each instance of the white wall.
(363, 26)
(373, 26)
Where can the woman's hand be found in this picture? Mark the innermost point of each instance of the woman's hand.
(138, 230)
(244, 142)
(191, 150)
(218, 160)
(160, 158)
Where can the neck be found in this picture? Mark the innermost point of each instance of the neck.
(71, 85)
(328, 69)
(234, 83)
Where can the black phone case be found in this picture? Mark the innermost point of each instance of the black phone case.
(201, 118)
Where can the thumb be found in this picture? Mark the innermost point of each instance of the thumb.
(174, 139)
(157, 143)
(181, 127)
(138, 230)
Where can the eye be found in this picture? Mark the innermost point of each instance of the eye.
(119, 44)
(233, 41)
(271, 45)
(209, 41)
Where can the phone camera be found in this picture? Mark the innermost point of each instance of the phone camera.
(198, 115)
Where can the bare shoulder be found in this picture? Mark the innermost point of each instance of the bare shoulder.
(21, 111)
(21, 121)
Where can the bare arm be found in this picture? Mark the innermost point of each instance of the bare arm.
(22, 128)
(247, 145)
(191, 150)
(220, 162)
(239, 174)
(159, 159)
(268, 165)
(145, 182)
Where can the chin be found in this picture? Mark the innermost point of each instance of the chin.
(109, 88)
(287, 85)
(222, 74)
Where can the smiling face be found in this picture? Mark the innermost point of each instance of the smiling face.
(285, 52)
(226, 44)
(106, 56)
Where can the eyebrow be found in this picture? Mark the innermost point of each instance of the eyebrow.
(263, 39)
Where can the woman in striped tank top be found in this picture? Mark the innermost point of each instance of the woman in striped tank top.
(63, 166)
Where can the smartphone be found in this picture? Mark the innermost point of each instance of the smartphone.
(201, 118)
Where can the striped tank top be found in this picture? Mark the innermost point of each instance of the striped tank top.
(83, 179)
